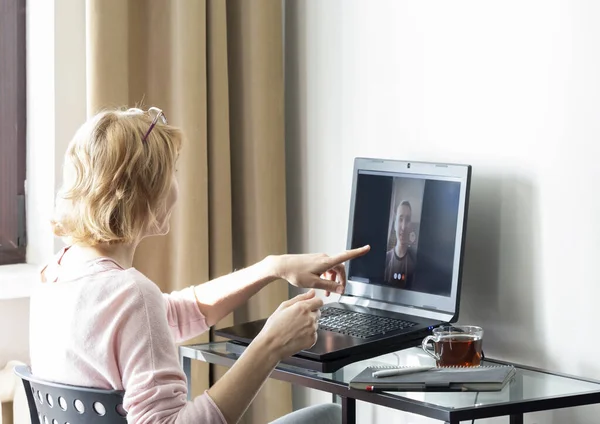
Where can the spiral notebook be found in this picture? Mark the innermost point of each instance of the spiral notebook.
(479, 379)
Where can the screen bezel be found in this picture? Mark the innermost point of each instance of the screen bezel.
(447, 306)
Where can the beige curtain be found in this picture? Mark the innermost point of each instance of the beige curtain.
(216, 68)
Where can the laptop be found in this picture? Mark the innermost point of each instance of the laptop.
(414, 216)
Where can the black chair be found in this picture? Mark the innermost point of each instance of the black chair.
(53, 403)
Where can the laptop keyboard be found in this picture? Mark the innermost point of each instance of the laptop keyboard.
(357, 324)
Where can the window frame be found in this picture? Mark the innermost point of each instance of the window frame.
(13, 121)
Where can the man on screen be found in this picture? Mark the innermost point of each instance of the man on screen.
(400, 260)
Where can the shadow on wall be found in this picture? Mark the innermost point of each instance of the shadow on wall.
(500, 278)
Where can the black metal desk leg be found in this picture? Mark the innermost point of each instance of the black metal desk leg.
(516, 419)
(337, 376)
(186, 364)
(348, 410)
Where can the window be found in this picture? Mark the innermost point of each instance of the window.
(12, 131)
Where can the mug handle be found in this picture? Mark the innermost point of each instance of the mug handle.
(425, 347)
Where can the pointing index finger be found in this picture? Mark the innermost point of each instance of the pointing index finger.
(349, 254)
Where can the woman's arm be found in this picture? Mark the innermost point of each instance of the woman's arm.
(147, 362)
(155, 387)
(193, 310)
(219, 297)
(291, 328)
(236, 390)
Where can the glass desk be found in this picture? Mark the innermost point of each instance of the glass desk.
(531, 389)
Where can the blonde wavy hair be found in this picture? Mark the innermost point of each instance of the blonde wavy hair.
(115, 183)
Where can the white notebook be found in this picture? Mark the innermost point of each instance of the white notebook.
(481, 378)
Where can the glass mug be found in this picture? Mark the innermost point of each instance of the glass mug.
(455, 345)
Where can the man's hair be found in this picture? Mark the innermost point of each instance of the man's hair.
(403, 203)
(115, 184)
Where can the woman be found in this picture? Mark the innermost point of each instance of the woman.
(98, 322)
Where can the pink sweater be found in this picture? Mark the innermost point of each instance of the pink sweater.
(105, 327)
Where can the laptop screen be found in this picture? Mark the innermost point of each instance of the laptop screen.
(413, 216)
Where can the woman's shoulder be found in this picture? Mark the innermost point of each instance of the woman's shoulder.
(125, 287)
(136, 281)
(127, 291)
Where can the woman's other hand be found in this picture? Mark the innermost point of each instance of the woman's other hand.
(316, 270)
(293, 326)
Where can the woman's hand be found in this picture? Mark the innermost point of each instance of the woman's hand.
(290, 329)
(293, 326)
(316, 270)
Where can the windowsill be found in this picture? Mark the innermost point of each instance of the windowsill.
(16, 281)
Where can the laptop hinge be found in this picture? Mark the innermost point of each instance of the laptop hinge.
(401, 309)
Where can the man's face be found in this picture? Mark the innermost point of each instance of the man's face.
(403, 216)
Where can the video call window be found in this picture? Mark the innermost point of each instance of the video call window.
(404, 222)
(411, 225)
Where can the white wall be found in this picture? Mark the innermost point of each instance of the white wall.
(512, 88)
(55, 108)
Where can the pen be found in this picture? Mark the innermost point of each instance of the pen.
(374, 389)
(401, 371)
(421, 387)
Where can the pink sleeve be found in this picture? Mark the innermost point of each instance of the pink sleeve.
(155, 386)
(184, 316)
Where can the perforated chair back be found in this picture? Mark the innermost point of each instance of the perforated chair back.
(53, 403)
